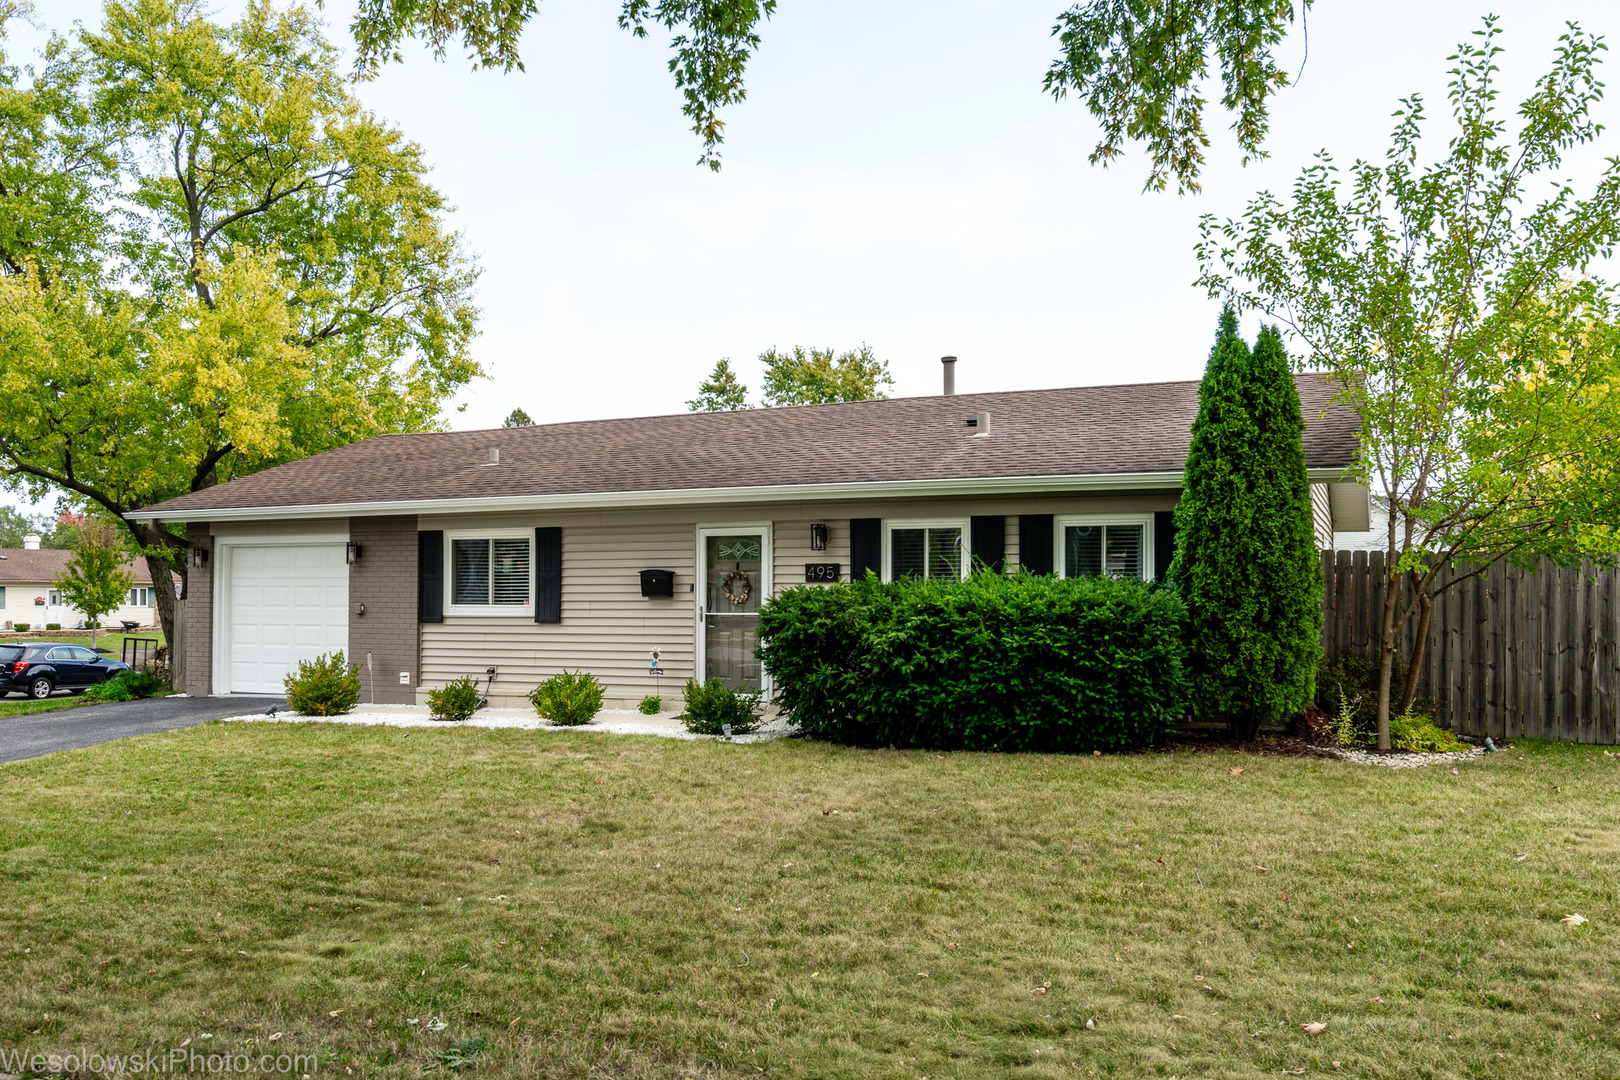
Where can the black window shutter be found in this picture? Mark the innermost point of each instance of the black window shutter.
(548, 575)
(1164, 542)
(1035, 543)
(989, 543)
(430, 576)
(865, 547)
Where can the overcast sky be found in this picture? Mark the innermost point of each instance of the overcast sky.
(896, 177)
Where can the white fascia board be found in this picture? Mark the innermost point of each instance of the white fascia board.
(599, 500)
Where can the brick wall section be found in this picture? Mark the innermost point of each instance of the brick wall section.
(384, 580)
(200, 614)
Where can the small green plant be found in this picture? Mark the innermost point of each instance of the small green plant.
(463, 1055)
(652, 705)
(1346, 729)
(570, 698)
(21, 625)
(1418, 733)
(53, 626)
(324, 686)
(711, 705)
(455, 701)
(128, 686)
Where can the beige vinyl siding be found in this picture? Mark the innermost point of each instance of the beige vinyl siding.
(790, 539)
(1009, 535)
(1321, 516)
(609, 629)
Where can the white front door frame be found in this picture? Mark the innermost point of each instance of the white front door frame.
(220, 682)
(767, 557)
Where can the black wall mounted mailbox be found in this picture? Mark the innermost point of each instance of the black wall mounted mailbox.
(658, 583)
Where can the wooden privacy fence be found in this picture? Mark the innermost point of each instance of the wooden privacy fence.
(1510, 652)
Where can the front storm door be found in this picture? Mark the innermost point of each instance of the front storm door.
(735, 583)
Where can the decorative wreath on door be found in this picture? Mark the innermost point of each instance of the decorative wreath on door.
(737, 587)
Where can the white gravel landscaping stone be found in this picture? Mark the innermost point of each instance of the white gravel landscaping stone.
(1406, 760)
(614, 721)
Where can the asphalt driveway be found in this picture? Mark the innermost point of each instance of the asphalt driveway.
(33, 734)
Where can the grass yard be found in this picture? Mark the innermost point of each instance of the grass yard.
(109, 641)
(608, 906)
(19, 706)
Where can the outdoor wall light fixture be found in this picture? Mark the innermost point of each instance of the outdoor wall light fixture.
(818, 538)
(352, 556)
(199, 557)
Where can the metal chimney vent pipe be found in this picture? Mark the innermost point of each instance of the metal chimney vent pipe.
(983, 425)
(494, 455)
(949, 363)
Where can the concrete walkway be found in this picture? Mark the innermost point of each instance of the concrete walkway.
(33, 734)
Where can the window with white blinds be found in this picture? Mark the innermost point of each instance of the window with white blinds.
(1117, 547)
(925, 549)
(490, 571)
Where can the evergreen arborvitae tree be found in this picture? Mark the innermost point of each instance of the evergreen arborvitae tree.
(1245, 561)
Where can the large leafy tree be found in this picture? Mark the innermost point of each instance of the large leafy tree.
(803, 376)
(1245, 561)
(722, 391)
(1138, 64)
(215, 261)
(1451, 300)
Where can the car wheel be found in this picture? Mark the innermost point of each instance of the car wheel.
(41, 688)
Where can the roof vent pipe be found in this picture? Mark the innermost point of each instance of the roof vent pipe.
(31, 542)
(983, 425)
(949, 363)
(494, 455)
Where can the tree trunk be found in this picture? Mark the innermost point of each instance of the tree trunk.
(163, 594)
(1414, 670)
(1386, 654)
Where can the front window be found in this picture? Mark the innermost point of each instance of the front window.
(140, 598)
(925, 549)
(1115, 547)
(489, 571)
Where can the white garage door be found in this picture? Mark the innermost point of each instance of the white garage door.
(287, 602)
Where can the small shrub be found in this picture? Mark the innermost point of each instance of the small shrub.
(128, 686)
(652, 705)
(324, 686)
(455, 701)
(21, 625)
(711, 705)
(570, 698)
(92, 624)
(1418, 733)
(53, 626)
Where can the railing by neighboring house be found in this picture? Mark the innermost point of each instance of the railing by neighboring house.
(1510, 652)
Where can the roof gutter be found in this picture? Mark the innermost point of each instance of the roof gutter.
(604, 500)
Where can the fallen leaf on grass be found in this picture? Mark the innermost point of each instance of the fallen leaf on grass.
(276, 1037)
(1236, 770)
(1160, 861)
(1313, 1028)
(1375, 1001)
(1574, 920)
(515, 1022)
(1263, 869)
(334, 1012)
(1293, 1072)
(1178, 1016)
(1520, 858)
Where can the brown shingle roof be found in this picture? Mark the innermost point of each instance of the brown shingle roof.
(39, 566)
(1092, 430)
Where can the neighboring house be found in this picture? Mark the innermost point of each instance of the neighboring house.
(1374, 538)
(28, 592)
(589, 545)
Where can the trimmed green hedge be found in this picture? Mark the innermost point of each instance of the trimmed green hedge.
(991, 663)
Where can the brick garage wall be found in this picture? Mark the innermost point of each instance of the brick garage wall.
(199, 601)
(384, 581)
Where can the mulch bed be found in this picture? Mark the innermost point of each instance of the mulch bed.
(1220, 741)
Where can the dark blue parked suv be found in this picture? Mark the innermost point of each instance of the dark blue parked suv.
(40, 668)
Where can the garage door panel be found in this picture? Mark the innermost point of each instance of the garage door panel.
(287, 603)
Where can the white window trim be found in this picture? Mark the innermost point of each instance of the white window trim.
(1060, 551)
(514, 611)
(927, 523)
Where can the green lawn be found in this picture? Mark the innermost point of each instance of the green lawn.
(109, 641)
(614, 907)
(17, 706)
